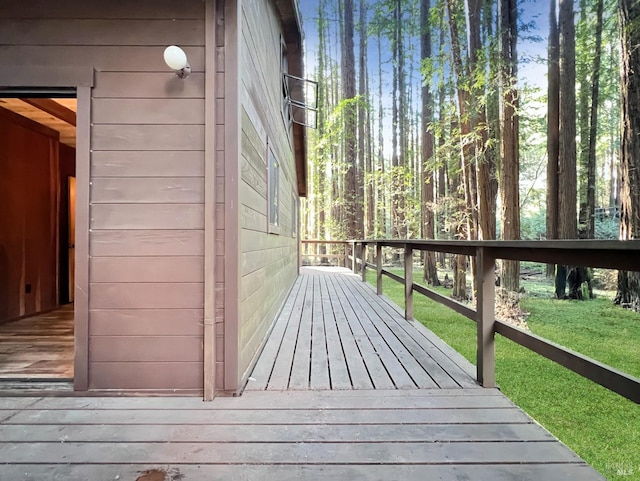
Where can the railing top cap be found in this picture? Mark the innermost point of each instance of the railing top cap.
(569, 244)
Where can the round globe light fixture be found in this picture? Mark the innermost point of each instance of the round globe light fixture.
(176, 59)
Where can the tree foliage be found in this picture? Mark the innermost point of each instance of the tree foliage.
(429, 128)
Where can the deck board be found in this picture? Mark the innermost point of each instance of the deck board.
(338, 369)
(320, 377)
(287, 453)
(300, 369)
(361, 472)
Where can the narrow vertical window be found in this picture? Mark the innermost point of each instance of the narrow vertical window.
(274, 196)
(294, 216)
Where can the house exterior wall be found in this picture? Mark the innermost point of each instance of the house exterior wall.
(268, 264)
(146, 241)
(183, 274)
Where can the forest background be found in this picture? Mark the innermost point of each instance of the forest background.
(470, 119)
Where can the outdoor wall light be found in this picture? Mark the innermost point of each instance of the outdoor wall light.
(176, 59)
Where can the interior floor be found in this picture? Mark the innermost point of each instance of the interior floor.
(39, 347)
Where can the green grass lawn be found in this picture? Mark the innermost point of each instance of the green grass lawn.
(600, 426)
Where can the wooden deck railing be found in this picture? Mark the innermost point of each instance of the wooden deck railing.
(339, 250)
(589, 253)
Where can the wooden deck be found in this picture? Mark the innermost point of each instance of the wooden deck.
(313, 413)
(335, 333)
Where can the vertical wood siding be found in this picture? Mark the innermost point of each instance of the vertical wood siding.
(147, 169)
(268, 262)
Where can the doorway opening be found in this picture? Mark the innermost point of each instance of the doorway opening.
(37, 237)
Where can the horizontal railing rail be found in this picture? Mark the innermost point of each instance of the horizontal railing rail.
(341, 245)
(623, 255)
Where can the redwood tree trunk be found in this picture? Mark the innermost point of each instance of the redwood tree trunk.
(466, 127)
(428, 220)
(593, 126)
(350, 133)
(567, 193)
(510, 151)
(553, 126)
(364, 138)
(362, 124)
(628, 293)
(479, 124)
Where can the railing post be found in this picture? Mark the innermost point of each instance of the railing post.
(353, 257)
(378, 269)
(346, 254)
(363, 252)
(408, 282)
(485, 307)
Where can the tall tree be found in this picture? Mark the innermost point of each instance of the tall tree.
(399, 123)
(509, 145)
(365, 160)
(589, 78)
(350, 133)
(321, 171)
(567, 187)
(443, 174)
(428, 218)
(381, 211)
(479, 122)
(464, 124)
(492, 153)
(629, 11)
(583, 60)
(553, 127)
(396, 216)
(593, 126)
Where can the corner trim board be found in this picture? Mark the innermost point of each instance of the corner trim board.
(209, 334)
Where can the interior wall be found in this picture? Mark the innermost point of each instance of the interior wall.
(67, 169)
(28, 217)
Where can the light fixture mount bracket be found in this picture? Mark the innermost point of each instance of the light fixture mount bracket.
(184, 72)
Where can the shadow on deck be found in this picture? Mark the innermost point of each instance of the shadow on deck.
(345, 389)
